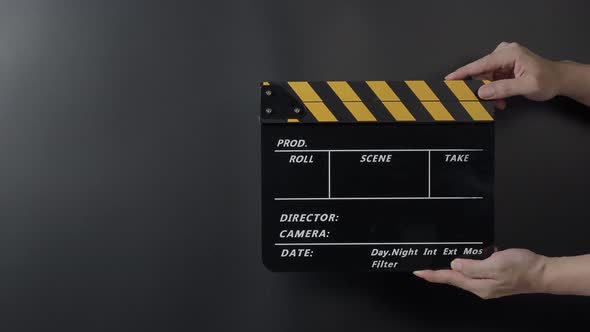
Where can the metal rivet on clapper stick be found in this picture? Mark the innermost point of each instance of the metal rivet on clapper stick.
(297, 110)
(268, 110)
(268, 92)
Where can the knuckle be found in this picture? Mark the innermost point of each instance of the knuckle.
(518, 49)
(484, 296)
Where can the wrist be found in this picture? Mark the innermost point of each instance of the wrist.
(541, 275)
(563, 76)
(569, 75)
(547, 275)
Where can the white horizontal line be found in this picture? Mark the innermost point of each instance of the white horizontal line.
(378, 150)
(372, 243)
(363, 198)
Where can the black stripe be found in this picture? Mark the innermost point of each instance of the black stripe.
(332, 101)
(308, 116)
(457, 110)
(442, 90)
(474, 85)
(489, 106)
(371, 100)
(410, 100)
(287, 89)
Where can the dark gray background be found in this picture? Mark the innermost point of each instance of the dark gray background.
(129, 173)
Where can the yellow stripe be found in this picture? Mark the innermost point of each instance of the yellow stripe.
(359, 111)
(398, 110)
(265, 83)
(312, 101)
(461, 90)
(383, 91)
(438, 111)
(391, 101)
(421, 90)
(321, 112)
(430, 101)
(305, 91)
(352, 101)
(486, 81)
(469, 101)
(344, 91)
(476, 111)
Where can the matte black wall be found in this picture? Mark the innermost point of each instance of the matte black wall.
(129, 173)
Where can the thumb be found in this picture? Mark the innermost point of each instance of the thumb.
(502, 88)
(473, 268)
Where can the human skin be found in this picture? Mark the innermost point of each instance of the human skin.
(516, 271)
(515, 70)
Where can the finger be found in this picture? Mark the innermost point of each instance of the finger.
(484, 76)
(503, 88)
(450, 277)
(489, 76)
(488, 63)
(484, 288)
(500, 104)
(501, 46)
(481, 269)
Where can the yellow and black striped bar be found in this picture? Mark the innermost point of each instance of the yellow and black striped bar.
(374, 101)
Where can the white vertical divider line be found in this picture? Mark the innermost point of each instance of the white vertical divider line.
(429, 173)
(329, 175)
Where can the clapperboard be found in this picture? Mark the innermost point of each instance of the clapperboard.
(375, 175)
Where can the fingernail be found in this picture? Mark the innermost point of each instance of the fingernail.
(486, 92)
(449, 75)
(456, 265)
(418, 273)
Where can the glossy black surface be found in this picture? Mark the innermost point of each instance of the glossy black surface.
(413, 198)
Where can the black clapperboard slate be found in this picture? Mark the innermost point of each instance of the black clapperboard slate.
(375, 175)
